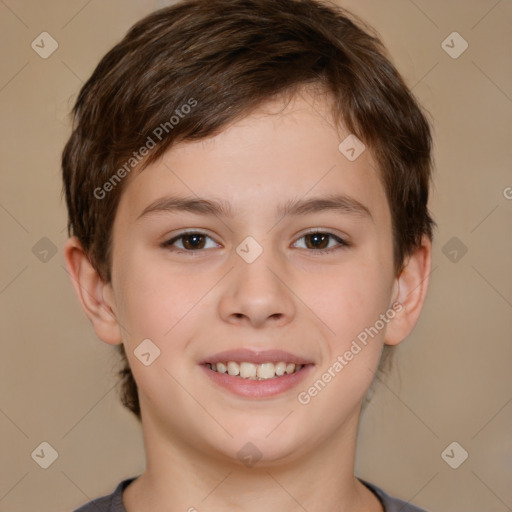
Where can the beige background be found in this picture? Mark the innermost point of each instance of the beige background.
(453, 381)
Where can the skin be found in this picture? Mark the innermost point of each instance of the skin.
(194, 304)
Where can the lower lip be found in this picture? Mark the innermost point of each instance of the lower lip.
(250, 388)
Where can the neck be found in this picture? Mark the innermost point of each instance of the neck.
(190, 478)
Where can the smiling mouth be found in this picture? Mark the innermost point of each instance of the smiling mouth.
(251, 371)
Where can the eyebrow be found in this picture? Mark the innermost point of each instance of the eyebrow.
(339, 202)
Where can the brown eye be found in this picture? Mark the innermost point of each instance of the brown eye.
(317, 240)
(194, 241)
(190, 242)
(322, 242)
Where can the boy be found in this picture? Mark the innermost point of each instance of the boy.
(247, 185)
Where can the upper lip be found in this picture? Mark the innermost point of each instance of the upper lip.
(250, 356)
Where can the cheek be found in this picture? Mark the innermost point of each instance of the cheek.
(155, 300)
(160, 306)
(350, 299)
(351, 305)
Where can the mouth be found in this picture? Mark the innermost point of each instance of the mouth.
(247, 370)
(256, 374)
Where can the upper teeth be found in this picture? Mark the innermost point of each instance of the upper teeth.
(255, 371)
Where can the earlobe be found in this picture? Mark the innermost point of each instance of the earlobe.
(93, 293)
(410, 290)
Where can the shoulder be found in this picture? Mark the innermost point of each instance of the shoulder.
(110, 503)
(389, 503)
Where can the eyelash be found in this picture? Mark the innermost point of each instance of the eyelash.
(341, 242)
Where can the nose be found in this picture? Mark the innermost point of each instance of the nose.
(258, 294)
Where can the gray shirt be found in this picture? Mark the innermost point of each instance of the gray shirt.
(114, 502)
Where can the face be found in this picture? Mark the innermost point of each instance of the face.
(263, 244)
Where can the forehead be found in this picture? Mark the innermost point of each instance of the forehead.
(284, 151)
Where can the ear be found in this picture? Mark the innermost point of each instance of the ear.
(95, 295)
(411, 289)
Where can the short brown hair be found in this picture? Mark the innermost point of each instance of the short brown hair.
(224, 58)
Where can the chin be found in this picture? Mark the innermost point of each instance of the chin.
(264, 445)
